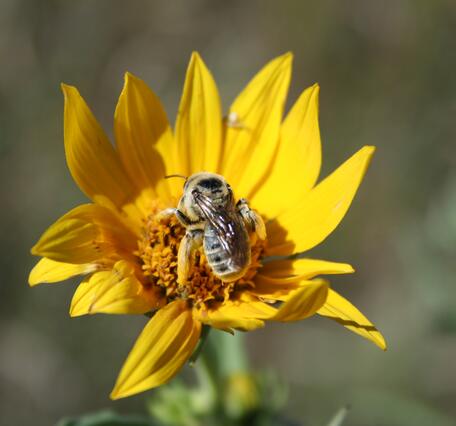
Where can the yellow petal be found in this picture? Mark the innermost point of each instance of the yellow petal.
(250, 145)
(273, 288)
(198, 124)
(342, 311)
(278, 278)
(305, 268)
(245, 315)
(321, 210)
(222, 322)
(162, 348)
(297, 164)
(92, 161)
(86, 234)
(277, 241)
(50, 271)
(303, 303)
(140, 124)
(111, 292)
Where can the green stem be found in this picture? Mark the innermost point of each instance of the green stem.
(207, 395)
(196, 353)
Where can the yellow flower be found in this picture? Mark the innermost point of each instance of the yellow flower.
(129, 257)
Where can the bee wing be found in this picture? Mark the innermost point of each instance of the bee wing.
(220, 221)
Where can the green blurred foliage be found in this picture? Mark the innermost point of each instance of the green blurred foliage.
(386, 70)
(339, 417)
(228, 392)
(107, 418)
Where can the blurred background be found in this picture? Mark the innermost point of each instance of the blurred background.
(386, 71)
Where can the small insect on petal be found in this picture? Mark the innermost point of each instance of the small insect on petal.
(233, 121)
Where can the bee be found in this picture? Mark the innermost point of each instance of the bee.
(216, 223)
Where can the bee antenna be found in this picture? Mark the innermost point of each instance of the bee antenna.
(179, 176)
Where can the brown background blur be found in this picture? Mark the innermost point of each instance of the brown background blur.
(387, 76)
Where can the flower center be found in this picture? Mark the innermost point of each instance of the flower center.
(157, 252)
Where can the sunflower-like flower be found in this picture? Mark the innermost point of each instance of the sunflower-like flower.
(128, 252)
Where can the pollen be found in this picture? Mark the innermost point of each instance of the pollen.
(157, 254)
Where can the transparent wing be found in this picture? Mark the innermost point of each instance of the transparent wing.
(225, 226)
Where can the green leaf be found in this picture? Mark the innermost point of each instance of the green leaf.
(339, 417)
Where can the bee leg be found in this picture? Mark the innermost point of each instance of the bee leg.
(192, 240)
(252, 219)
(165, 214)
(183, 219)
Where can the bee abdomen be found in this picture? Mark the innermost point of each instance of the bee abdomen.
(220, 261)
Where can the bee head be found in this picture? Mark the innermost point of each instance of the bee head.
(210, 185)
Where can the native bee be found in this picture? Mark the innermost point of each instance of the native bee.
(216, 223)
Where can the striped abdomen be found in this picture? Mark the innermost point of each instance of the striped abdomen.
(230, 258)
